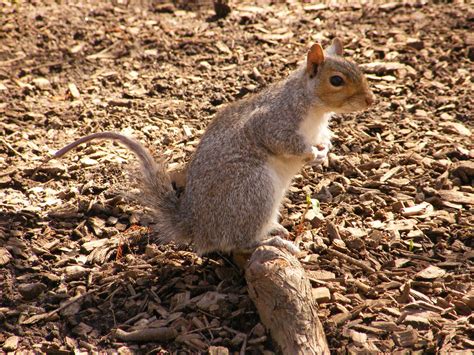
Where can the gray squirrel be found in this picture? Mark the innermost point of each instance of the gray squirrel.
(245, 161)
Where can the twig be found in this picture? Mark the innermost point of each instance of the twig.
(344, 317)
(11, 148)
(73, 300)
(350, 259)
(300, 227)
(6, 173)
(244, 346)
(13, 60)
(357, 170)
(209, 327)
(103, 53)
(148, 334)
(134, 318)
(49, 64)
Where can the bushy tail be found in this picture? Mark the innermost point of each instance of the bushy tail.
(157, 192)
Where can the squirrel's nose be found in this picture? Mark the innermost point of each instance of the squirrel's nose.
(369, 99)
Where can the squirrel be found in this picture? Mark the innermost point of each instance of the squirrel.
(247, 157)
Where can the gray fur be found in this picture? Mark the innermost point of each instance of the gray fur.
(229, 193)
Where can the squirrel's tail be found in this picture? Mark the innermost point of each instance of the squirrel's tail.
(157, 191)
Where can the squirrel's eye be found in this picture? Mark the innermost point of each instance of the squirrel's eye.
(336, 80)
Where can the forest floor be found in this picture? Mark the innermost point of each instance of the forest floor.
(396, 196)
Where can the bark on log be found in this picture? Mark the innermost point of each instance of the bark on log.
(283, 296)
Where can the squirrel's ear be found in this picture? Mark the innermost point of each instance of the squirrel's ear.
(335, 48)
(315, 57)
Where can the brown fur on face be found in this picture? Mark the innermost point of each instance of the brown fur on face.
(345, 98)
(353, 95)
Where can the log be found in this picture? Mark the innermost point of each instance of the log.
(282, 294)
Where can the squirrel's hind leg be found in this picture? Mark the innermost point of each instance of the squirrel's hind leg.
(276, 237)
(281, 243)
(278, 229)
(277, 242)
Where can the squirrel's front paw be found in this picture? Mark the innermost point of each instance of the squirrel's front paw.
(318, 154)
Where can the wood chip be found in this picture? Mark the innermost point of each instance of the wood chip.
(406, 338)
(218, 350)
(417, 322)
(5, 256)
(457, 196)
(11, 343)
(456, 127)
(321, 294)
(390, 173)
(431, 272)
(73, 90)
(423, 208)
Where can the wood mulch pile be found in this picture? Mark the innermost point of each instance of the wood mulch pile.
(388, 238)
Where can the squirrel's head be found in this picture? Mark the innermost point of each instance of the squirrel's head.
(340, 85)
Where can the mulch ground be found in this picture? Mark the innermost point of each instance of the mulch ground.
(388, 250)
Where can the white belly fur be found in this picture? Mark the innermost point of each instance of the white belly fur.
(281, 170)
(315, 129)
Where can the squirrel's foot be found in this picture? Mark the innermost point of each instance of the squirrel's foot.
(281, 243)
(279, 230)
